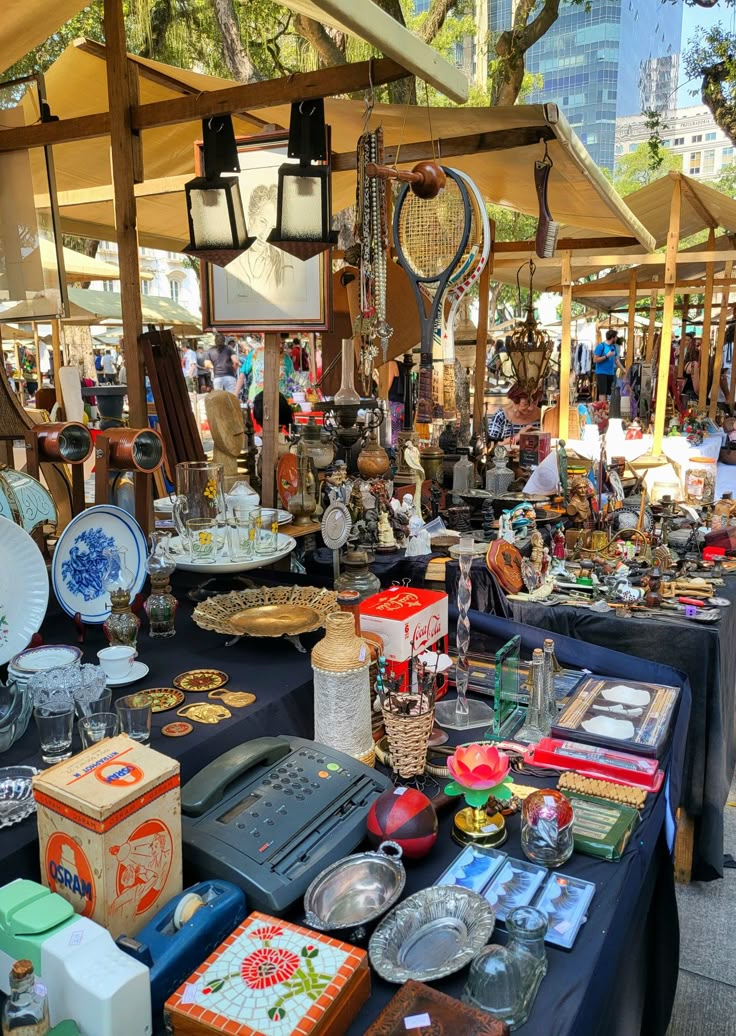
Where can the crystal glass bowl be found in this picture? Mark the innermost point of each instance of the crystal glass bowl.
(16, 797)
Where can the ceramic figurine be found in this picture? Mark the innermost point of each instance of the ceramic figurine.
(537, 555)
(413, 463)
(558, 545)
(419, 539)
(386, 539)
(505, 532)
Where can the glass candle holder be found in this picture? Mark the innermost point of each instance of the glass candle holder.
(547, 828)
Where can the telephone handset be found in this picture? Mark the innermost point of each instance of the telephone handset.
(208, 787)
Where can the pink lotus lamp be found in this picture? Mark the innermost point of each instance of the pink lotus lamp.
(480, 772)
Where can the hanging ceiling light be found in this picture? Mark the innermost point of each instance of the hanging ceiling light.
(530, 347)
(304, 212)
(217, 229)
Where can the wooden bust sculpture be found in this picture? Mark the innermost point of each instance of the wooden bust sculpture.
(226, 426)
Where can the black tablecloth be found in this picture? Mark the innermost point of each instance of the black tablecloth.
(390, 568)
(708, 655)
(621, 975)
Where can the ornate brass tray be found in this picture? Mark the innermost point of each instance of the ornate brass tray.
(268, 611)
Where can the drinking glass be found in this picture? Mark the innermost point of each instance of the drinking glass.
(135, 716)
(241, 533)
(55, 722)
(96, 727)
(93, 706)
(267, 530)
(202, 536)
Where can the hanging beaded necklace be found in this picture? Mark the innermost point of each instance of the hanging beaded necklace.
(371, 231)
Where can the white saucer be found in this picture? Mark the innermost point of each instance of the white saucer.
(137, 671)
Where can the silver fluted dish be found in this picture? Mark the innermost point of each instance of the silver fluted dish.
(431, 934)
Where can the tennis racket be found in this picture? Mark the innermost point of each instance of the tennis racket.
(431, 238)
(459, 288)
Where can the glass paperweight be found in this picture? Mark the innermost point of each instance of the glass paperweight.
(547, 828)
(504, 980)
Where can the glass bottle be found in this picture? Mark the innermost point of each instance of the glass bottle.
(26, 1011)
(303, 503)
(161, 605)
(463, 476)
(121, 626)
(504, 980)
(536, 725)
(499, 477)
(551, 666)
(346, 394)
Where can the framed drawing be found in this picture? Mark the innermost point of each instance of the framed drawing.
(265, 288)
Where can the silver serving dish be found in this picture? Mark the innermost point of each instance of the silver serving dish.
(431, 934)
(16, 795)
(354, 892)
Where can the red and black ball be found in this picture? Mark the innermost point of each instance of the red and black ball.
(405, 816)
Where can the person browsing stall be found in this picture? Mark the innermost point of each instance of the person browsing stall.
(606, 363)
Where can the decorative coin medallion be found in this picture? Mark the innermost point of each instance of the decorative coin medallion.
(204, 712)
(162, 698)
(200, 680)
(236, 699)
(180, 729)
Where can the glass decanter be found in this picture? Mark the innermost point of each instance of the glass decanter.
(121, 626)
(504, 980)
(161, 605)
(499, 477)
(26, 1011)
(463, 475)
(537, 724)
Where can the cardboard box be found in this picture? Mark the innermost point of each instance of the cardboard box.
(533, 448)
(272, 978)
(409, 621)
(109, 829)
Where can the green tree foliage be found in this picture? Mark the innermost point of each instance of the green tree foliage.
(635, 169)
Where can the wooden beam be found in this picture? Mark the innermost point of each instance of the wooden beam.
(668, 312)
(708, 219)
(683, 333)
(370, 23)
(631, 315)
(157, 187)
(643, 288)
(572, 244)
(121, 92)
(651, 328)
(718, 359)
(449, 147)
(241, 97)
(269, 451)
(565, 347)
(57, 361)
(481, 344)
(705, 342)
(621, 258)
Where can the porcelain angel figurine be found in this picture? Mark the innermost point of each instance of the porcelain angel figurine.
(419, 539)
(413, 463)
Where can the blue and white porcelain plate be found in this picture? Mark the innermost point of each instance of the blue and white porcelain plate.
(24, 589)
(79, 564)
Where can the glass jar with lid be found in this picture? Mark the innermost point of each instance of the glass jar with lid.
(499, 477)
(700, 481)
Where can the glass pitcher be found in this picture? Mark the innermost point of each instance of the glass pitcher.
(199, 494)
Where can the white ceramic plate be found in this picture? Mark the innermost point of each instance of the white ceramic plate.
(79, 564)
(607, 726)
(24, 589)
(626, 695)
(47, 656)
(137, 671)
(223, 565)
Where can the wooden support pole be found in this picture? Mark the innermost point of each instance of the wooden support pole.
(481, 344)
(124, 155)
(720, 335)
(650, 330)
(668, 312)
(57, 361)
(705, 341)
(683, 334)
(270, 434)
(565, 347)
(632, 316)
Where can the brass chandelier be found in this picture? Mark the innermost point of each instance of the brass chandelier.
(530, 347)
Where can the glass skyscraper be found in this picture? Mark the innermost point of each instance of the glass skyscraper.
(615, 59)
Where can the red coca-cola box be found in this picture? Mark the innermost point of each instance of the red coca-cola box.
(408, 620)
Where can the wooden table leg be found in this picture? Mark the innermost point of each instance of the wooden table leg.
(684, 847)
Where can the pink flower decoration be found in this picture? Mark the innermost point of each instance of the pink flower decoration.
(478, 766)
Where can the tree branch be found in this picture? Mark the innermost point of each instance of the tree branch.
(239, 64)
(721, 108)
(436, 17)
(317, 36)
(513, 44)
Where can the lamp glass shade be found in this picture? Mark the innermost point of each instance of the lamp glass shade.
(216, 216)
(301, 208)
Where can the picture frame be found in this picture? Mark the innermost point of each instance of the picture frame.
(265, 288)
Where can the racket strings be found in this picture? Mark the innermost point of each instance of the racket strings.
(430, 230)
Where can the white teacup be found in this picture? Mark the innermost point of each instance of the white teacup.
(116, 661)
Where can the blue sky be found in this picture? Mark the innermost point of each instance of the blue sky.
(692, 19)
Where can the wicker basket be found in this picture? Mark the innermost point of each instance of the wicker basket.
(408, 738)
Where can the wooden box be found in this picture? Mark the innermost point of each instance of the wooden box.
(109, 829)
(272, 978)
(421, 1010)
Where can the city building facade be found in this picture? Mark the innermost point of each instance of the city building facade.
(168, 274)
(690, 132)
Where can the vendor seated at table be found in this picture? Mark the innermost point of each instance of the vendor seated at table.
(606, 362)
(522, 410)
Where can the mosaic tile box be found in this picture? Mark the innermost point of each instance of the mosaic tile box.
(272, 978)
